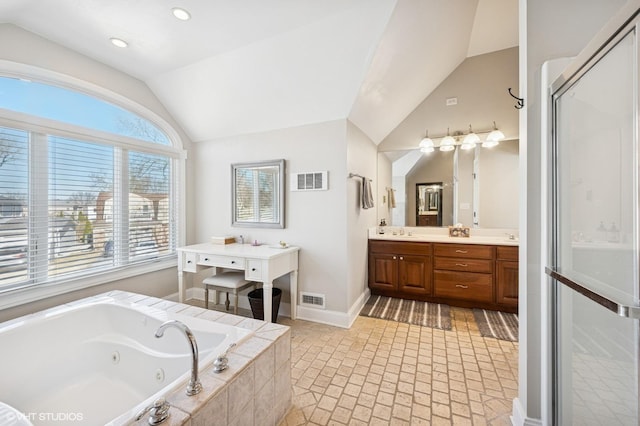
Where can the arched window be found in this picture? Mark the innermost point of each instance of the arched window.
(86, 186)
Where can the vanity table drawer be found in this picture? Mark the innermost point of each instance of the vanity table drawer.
(221, 261)
(463, 285)
(465, 265)
(464, 251)
(254, 270)
(190, 262)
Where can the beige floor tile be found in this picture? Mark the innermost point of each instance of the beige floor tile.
(387, 373)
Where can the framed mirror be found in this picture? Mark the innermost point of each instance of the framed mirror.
(257, 194)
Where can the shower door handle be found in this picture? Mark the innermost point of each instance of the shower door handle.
(620, 309)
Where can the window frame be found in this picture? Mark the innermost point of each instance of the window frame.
(35, 288)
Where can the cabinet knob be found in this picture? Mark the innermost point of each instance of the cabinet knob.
(401, 258)
(253, 269)
(461, 251)
(394, 258)
(206, 259)
(188, 261)
(464, 265)
(233, 262)
(462, 286)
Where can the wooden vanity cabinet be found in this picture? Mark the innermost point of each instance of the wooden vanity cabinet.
(464, 272)
(466, 275)
(507, 276)
(400, 269)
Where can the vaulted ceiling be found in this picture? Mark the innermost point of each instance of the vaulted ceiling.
(257, 65)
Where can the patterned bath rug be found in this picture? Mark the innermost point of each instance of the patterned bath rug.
(409, 311)
(501, 325)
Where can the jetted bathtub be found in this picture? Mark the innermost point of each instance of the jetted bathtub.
(99, 362)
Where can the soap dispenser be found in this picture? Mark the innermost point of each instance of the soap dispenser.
(383, 223)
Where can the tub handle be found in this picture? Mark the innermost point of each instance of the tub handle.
(222, 362)
(159, 411)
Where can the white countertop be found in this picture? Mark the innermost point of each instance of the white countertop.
(263, 251)
(441, 235)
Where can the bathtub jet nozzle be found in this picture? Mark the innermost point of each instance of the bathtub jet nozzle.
(194, 385)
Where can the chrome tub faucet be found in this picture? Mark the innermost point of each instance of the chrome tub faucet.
(194, 385)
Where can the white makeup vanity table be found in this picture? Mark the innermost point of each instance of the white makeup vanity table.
(261, 263)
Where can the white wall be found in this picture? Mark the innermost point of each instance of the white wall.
(322, 223)
(362, 155)
(554, 29)
(30, 53)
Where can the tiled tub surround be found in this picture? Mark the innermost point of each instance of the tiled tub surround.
(254, 390)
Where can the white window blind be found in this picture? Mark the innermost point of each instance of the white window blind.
(80, 175)
(14, 178)
(149, 208)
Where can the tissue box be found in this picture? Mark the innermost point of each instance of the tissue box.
(223, 240)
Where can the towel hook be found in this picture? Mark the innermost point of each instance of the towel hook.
(520, 104)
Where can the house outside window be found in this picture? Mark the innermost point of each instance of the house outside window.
(86, 187)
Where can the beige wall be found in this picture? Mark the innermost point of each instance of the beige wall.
(480, 83)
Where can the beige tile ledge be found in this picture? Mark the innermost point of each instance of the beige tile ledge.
(254, 389)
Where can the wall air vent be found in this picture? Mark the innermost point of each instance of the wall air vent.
(310, 181)
(312, 299)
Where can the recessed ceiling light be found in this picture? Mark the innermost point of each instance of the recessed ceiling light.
(181, 14)
(118, 42)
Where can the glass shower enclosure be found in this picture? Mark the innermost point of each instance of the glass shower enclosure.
(594, 217)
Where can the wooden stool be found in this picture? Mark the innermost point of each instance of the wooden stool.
(231, 281)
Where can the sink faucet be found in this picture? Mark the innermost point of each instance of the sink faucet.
(194, 385)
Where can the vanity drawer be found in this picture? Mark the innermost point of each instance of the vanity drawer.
(507, 253)
(190, 262)
(463, 285)
(464, 265)
(221, 261)
(254, 270)
(464, 251)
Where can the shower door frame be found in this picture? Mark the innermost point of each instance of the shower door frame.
(628, 20)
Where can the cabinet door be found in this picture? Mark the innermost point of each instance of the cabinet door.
(507, 282)
(414, 274)
(383, 271)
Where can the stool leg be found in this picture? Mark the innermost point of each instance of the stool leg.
(227, 303)
(206, 297)
(235, 306)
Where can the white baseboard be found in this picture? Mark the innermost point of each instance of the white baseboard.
(519, 418)
(323, 316)
(335, 318)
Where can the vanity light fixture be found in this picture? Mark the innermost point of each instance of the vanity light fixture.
(118, 42)
(493, 138)
(181, 13)
(426, 144)
(447, 143)
(470, 141)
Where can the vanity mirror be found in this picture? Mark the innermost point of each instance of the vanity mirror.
(478, 187)
(257, 194)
